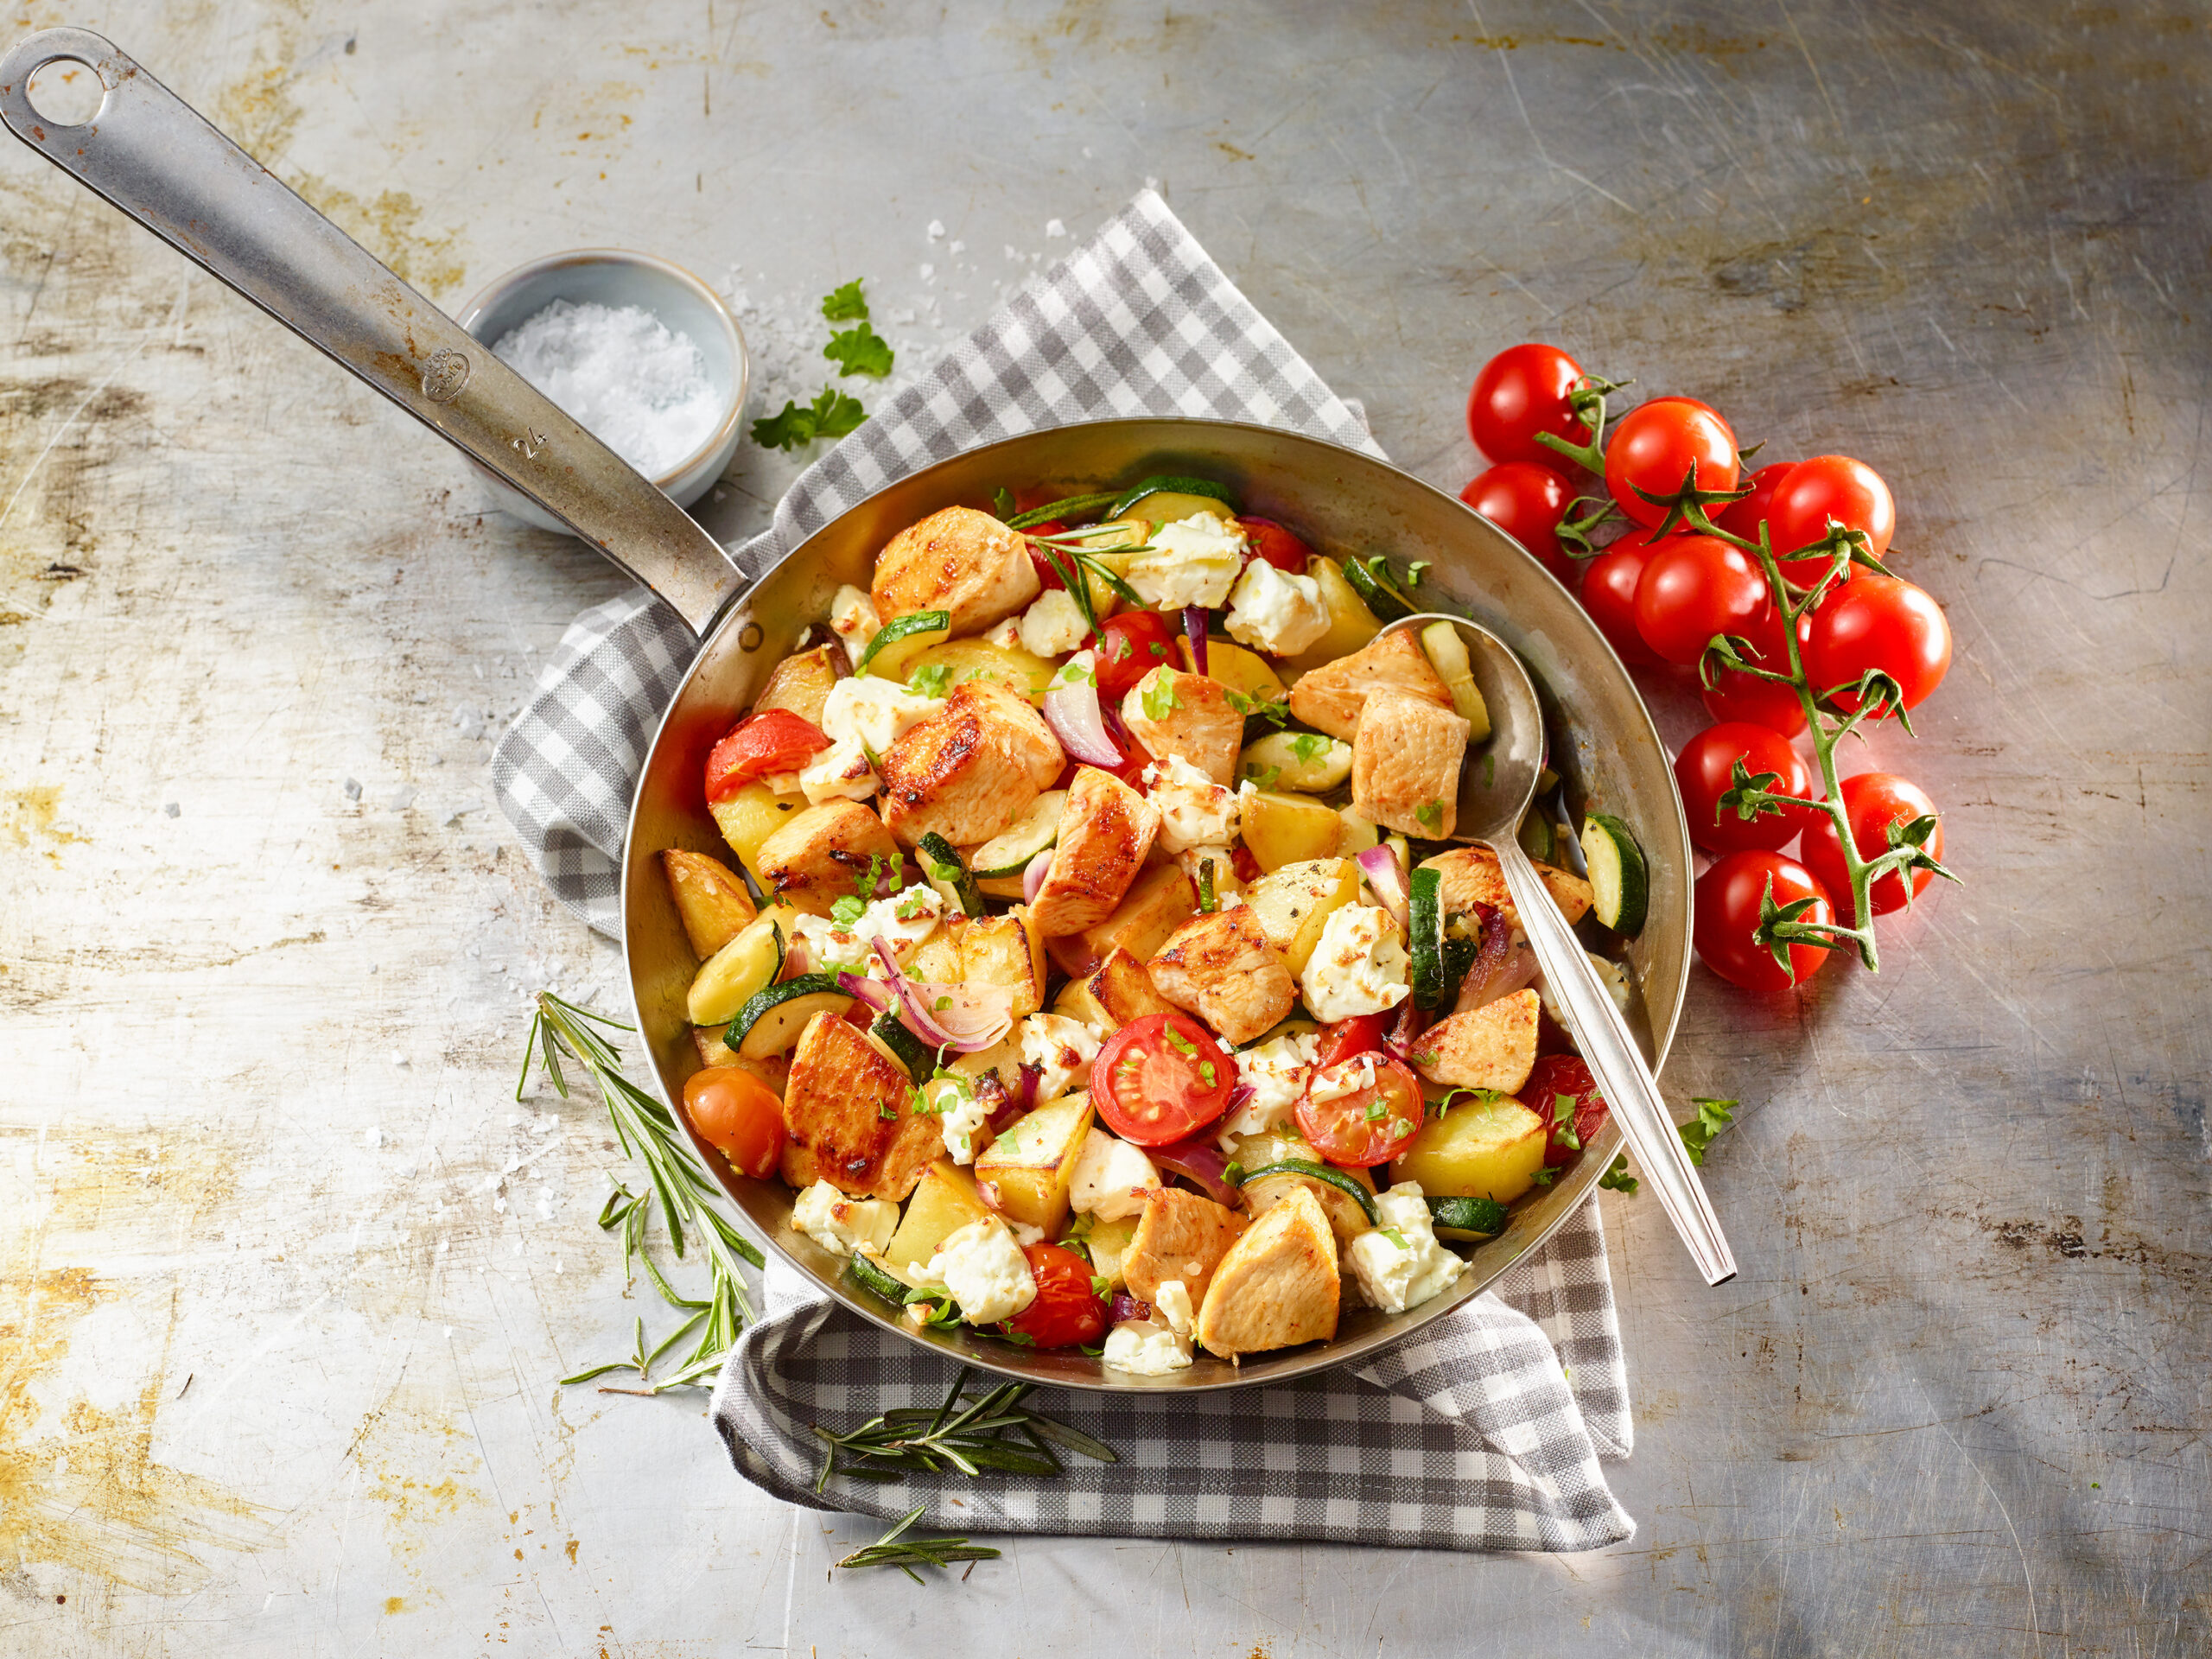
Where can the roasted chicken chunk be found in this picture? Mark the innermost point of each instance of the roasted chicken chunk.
(1174, 713)
(1472, 877)
(848, 1111)
(958, 560)
(1490, 1047)
(1222, 969)
(1329, 698)
(969, 770)
(1277, 1286)
(1181, 1236)
(822, 855)
(1105, 832)
(1405, 763)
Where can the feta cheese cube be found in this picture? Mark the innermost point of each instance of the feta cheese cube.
(1052, 624)
(1172, 1301)
(854, 619)
(903, 920)
(1399, 1264)
(1143, 1348)
(838, 1222)
(841, 772)
(961, 1112)
(873, 713)
(1273, 611)
(1192, 562)
(1112, 1178)
(984, 1270)
(1194, 810)
(1060, 1048)
(1006, 634)
(1275, 1072)
(1359, 966)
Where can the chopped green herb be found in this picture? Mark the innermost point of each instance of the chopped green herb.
(887, 1112)
(1002, 500)
(1489, 771)
(1233, 1173)
(1206, 1073)
(847, 911)
(1156, 648)
(1306, 745)
(1431, 816)
(1544, 1177)
(1263, 776)
(1563, 1123)
(929, 680)
(1178, 1042)
(1413, 570)
(1160, 700)
(1712, 1116)
(913, 905)
(1396, 1237)
(1398, 1126)
(877, 864)
(1101, 1287)
(844, 303)
(1375, 1110)
(860, 350)
(1207, 903)
(832, 415)
(1424, 1060)
(1616, 1178)
(1074, 673)
(942, 1004)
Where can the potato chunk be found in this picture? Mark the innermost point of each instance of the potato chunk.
(1329, 698)
(820, 855)
(801, 684)
(969, 770)
(959, 561)
(1222, 969)
(1026, 1173)
(1294, 903)
(713, 903)
(1174, 713)
(1490, 1047)
(1181, 1236)
(1278, 1285)
(1007, 951)
(1483, 1148)
(1472, 877)
(1155, 905)
(1105, 832)
(1405, 763)
(848, 1108)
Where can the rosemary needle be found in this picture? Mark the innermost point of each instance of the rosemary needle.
(895, 1549)
(969, 1433)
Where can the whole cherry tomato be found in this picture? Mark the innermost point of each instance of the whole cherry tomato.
(1361, 1111)
(1270, 541)
(1520, 392)
(1360, 1034)
(1136, 643)
(1744, 518)
(775, 740)
(1161, 1079)
(1067, 1313)
(1692, 587)
(1609, 585)
(1561, 1084)
(1727, 918)
(1706, 770)
(1878, 622)
(1825, 488)
(1527, 501)
(739, 1115)
(1873, 801)
(1739, 695)
(1654, 447)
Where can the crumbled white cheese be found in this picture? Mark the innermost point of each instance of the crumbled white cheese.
(1194, 562)
(838, 1222)
(1344, 1077)
(1060, 1048)
(1273, 611)
(903, 920)
(1398, 1264)
(854, 619)
(1143, 1348)
(1194, 810)
(1172, 1301)
(873, 712)
(1053, 623)
(1006, 634)
(961, 1112)
(840, 772)
(1275, 1072)
(985, 1271)
(1358, 967)
(1112, 1178)
(1613, 976)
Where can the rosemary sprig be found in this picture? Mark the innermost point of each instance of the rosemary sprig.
(968, 1433)
(684, 1191)
(1070, 562)
(896, 1550)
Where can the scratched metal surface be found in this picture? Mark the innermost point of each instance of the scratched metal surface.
(285, 1277)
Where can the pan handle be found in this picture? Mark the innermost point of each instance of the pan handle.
(157, 158)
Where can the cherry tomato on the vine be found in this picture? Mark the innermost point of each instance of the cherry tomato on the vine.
(1881, 622)
(1562, 1085)
(1527, 501)
(739, 1115)
(1653, 447)
(1270, 541)
(1825, 488)
(1739, 695)
(1369, 1123)
(1744, 518)
(1067, 1313)
(1692, 587)
(1136, 643)
(1727, 918)
(1705, 771)
(1520, 392)
(1161, 1079)
(1873, 801)
(1609, 585)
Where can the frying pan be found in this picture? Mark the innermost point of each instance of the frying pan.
(150, 154)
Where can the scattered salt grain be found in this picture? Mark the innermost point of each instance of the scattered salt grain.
(634, 383)
(1053, 228)
(936, 229)
(929, 273)
(957, 247)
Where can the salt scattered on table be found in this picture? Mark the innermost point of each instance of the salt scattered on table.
(636, 385)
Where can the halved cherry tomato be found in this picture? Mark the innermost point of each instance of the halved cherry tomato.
(739, 1115)
(1046, 576)
(1361, 1034)
(1067, 1313)
(1873, 801)
(1162, 1078)
(1693, 587)
(1246, 863)
(1527, 501)
(1705, 771)
(1825, 488)
(1739, 695)
(1727, 917)
(775, 740)
(1878, 622)
(1609, 584)
(1561, 1084)
(1654, 447)
(1520, 392)
(1136, 643)
(1270, 541)
(1371, 1122)
(1744, 518)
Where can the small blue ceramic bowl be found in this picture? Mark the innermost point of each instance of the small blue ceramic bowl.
(616, 278)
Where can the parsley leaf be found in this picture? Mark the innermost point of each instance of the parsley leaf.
(1544, 1177)
(1712, 1116)
(1263, 776)
(832, 415)
(1101, 1287)
(1306, 745)
(929, 680)
(1413, 570)
(859, 350)
(1563, 1123)
(913, 905)
(1616, 1178)
(887, 1112)
(1206, 1073)
(942, 1004)
(1396, 1237)
(1375, 1110)
(1178, 1041)
(1002, 500)
(847, 911)
(1160, 700)
(866, 885)
(844, 303)
(1233, 1173)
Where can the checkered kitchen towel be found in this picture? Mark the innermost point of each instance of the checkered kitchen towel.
(1485, 1432)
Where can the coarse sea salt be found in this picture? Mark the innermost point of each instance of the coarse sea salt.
(634, 383)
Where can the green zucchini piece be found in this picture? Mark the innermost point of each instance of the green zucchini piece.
(1323, 1173)
(1431, 980)
(1036, 830)
(1465, 1218)
(1620, 881)
(770, 1021)
(1378, 590)
(737, 972)
(1074, 506)
(903, 628)
(1179, 485)
(917, 1055)
(940, 862)
(876, 1280)
(1535, 835)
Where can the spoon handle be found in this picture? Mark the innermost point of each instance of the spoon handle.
(1617, 1064)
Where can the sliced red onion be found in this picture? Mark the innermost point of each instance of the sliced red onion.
(798, 959)
(1071, 710)
(1379, 863)
(1018, 1100)
(1194, 630)
(1033, 878)
(873, 992)
(1202, 1163)
(965, 1019)
(1125, 1308)
(1408, 1024)
(1501, 966)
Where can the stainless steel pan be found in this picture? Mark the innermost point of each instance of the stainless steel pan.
(151, 156)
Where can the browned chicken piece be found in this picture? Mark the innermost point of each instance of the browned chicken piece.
(1490, 1047)
(818, 857)
(1472, 877)
(802, 683)
(1174, 713)
(1278, 1285)
(1104, 834)
(1157, 903)
(1330, 697)
(1123, 989)
(1222, 969)
(1405, 763)
(969, 770)
(1181, 1236)
(848, 1108)
(959, 561)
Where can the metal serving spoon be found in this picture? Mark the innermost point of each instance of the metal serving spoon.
(1492, 798)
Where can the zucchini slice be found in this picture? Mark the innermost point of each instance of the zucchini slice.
(737, 972)
(904, 628)
(940, 862)
(877, 1280)
(1036, 830)
(917, 1055)
(1324, 1173)
(1372, 580)
(1535, 835)
(1431, 980)
(1171, 484)
(1620, 882)
(1447, 655)
(770, 1021)
(1465, 1218)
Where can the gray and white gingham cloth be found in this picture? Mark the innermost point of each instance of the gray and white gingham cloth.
(1483, 1433)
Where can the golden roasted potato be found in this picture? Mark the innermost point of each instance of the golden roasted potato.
(1222, 969)
(1174, 713)
(958, 560)
(1105, 831)
(1298, 760)
(1329, 698)
(1005, 951)
(1405, 763)
(1180, 1236)
(817, 857)
(969, 770)
(1245, 672)
(749, 816)
(943, 1203)
(850, 1107)
(1020, 671)
(1289, 828)
(1351, 625)
(1482, 1148)
(1123, 989)
(1025, 1173)
(1292, 902)
(713, 903)
(1490, 1047)
(802, 683)
(1472, 877)
(1278, 1285)
(1159, 902)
